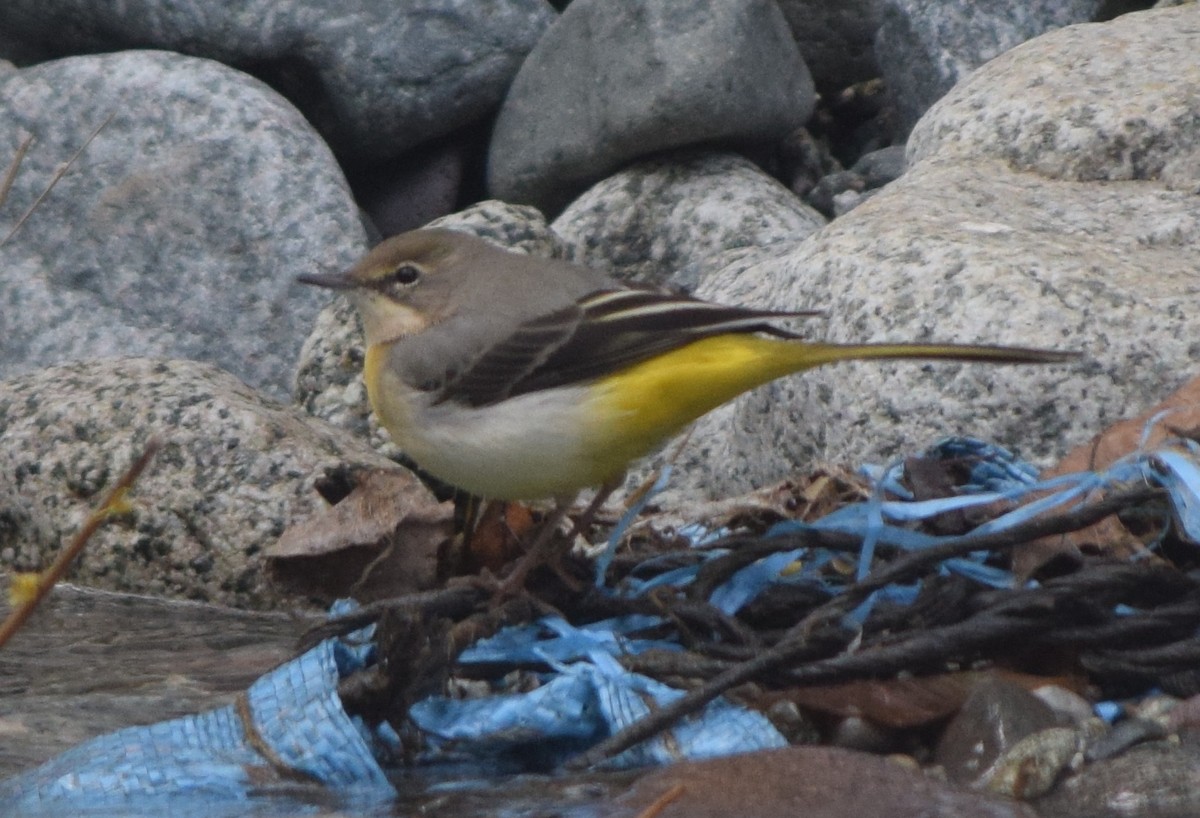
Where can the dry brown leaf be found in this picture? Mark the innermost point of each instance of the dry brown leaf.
(1109, 536)
(497, 537)
(382, 539)
(903, 703)
(816, 782)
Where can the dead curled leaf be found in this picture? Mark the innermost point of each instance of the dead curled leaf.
(497, 537)
(1180, 417)
(906, 702)
(381, 539)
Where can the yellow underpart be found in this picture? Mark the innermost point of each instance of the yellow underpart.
(376, 357)
(638, 408)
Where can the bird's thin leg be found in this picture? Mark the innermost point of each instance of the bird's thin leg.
(535, 556)
(582, 523)
(472, 512)
(541, 552)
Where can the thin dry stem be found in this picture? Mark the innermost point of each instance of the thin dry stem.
(59, 173)
(11, 175)
(47, 579)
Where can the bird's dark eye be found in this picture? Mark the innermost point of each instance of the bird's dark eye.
(406, 274)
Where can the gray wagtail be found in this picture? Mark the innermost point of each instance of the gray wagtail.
(522, 378)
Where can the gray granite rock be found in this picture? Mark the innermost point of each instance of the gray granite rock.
(328, 381)
(837, 193)
(24, 531)
(178, 230)
(825, 194)
(235, 470)
(880, 167)
(375, 78)
(1156, 780)
(667, 221)
(925, 46)
(416, 188)
(611, 83)
(1124, 105)
(964, 248)
(836, 39)
(966, 253)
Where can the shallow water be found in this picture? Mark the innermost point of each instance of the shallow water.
(91, 662)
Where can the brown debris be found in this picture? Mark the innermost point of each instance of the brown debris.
(382, 539)
(1110, 537)
(816, 782)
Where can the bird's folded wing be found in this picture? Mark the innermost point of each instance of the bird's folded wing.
(601, 333)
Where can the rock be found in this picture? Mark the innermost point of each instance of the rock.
(803, 160)
(824, 196)
(839, 192)
(925, 46)
(1116, 101)
(996, 715)
(672, 218)
(24, 531)
(817, 782)
(418, 187)
(514, 227)
(374, 78)
(881, 167)
(609, 84)
(968, 249)
(970, 253)
(328, 381)
(235, 469)
(178, 230)
(1068, 706)
(1031, 767)
(1159, 780)
(835, 39)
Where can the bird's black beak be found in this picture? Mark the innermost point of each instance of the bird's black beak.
(331, 281)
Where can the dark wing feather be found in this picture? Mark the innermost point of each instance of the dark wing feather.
(497, 372)
(602, 333)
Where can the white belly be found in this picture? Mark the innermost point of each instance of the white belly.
(525, 448)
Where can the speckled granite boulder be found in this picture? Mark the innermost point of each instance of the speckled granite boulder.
(375, 78)
(968, 248)
(24, 530)
(1126, 108)
(610, 83)
(925, 46)
(1153, 780)
(234, 471)
(178, 230)
(672, 219)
